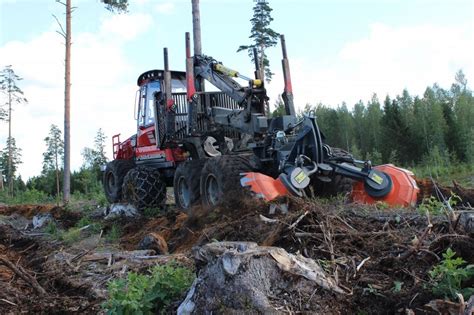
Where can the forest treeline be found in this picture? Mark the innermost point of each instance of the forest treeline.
(86, 182)
(434, 129)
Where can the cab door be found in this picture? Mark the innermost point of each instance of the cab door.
(146, 115)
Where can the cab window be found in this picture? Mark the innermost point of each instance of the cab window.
(147, 104)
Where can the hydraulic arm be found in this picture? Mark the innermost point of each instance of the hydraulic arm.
(295, 149)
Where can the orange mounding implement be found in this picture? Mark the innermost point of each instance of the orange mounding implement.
(404, 188)
(264, 186)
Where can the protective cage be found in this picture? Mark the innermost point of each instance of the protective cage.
(207, 101)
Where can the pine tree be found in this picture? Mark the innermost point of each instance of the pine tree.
(95, 157)
(10, 158)
(14, 95)
(263, 37)
(373, 126)
(459, 115)
(119, 6)
(279, 108)
(360, 138)
(53, 157)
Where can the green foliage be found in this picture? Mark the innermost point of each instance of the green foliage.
(118, 6)
(114, 233)
(71, 236)
(94, 227)
(397, 286)
(15, 161)
(11, 156)
(460, 172)
(433, 130)
(433, 206)
(145, 294)
(262, 35)
(372, 290)
(447, 277)
(8, 85)
(438, 161)
(85, 183)
(152, 212)
(52, 229)
(95, 157)
(279, 108)
(375, 157)
(28, 196)
(53, 157)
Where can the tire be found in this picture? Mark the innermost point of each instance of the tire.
(144, 187)
(186, 184)
(339, 185)
(220, 179)
(113, 179)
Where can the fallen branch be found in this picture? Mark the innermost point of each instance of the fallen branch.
(298, 220)
(417, 246)
(348, 234)
(362, 263)
(118, 255)
(6, 301)
(267, 220)
(24, 275)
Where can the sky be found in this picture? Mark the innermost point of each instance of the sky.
(339, 51)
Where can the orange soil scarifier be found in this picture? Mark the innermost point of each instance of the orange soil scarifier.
(264, 186)
(404, 188)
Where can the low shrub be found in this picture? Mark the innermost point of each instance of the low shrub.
(448, 276)
(148, 294)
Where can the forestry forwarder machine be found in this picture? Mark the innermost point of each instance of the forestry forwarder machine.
(209, 145)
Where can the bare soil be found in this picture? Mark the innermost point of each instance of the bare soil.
(380, 256)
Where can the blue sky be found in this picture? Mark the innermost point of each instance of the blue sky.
(339, 50)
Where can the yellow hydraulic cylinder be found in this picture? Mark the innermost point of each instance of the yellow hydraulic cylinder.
(235, 74)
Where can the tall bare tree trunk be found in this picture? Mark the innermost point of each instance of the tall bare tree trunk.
(197, 38)
(10, 151)
(67, 107)
(57, 179)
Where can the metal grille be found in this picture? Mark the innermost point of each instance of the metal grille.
(207, 100)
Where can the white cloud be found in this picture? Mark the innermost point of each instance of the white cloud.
(141, 2)
(388, 60)
(126, 26)
(165, 7)
(100, 98)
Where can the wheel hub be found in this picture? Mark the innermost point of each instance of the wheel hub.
(110, 181)
(183, 193)
(212, 189)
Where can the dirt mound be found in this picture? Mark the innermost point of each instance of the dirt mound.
(429, 188)
(65, 217)
(27, 211)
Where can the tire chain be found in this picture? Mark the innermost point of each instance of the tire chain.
(144, 188)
